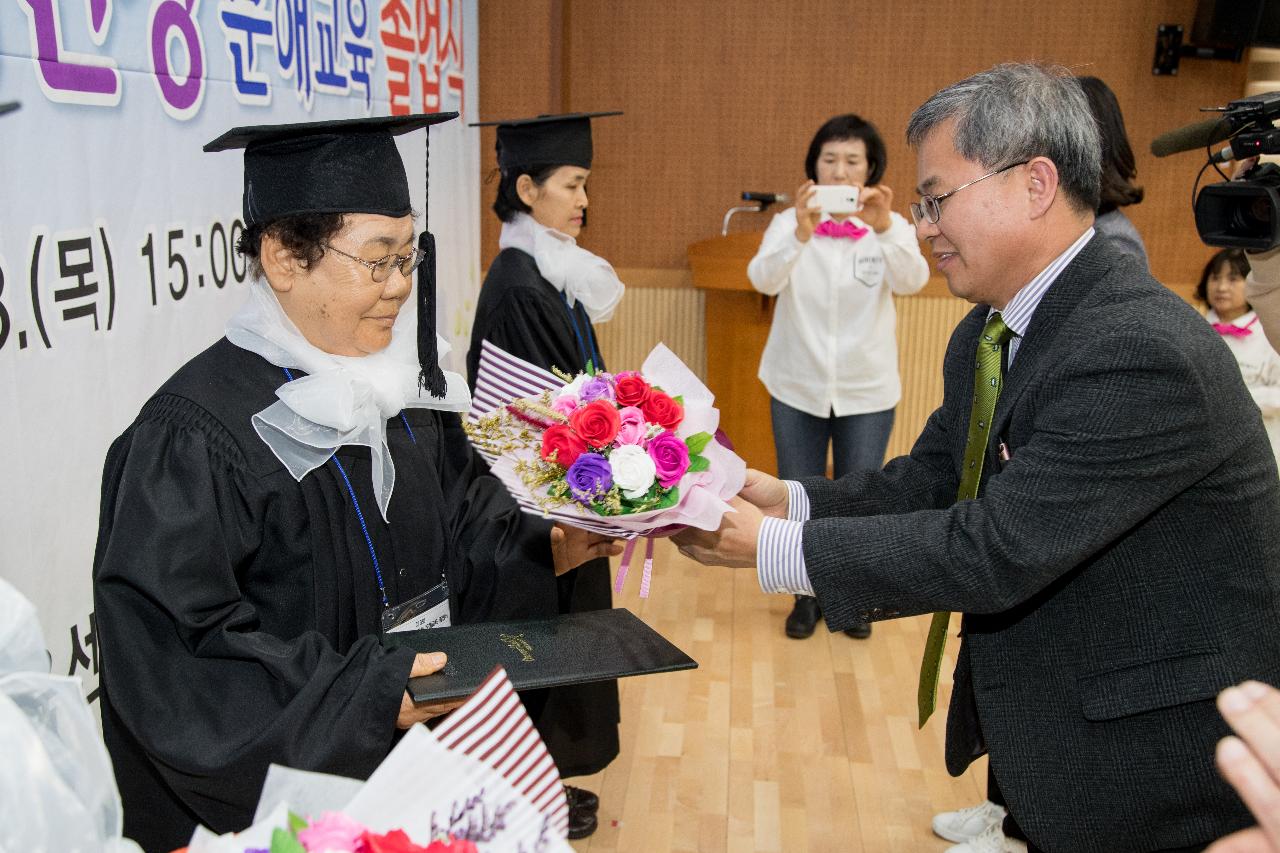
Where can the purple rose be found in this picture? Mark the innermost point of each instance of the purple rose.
(589, 476)
(670, 457)
(597, 388)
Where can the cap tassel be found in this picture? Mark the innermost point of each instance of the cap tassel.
(431, 378)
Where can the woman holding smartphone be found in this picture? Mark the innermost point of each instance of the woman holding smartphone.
(539, 301)
(831, 361)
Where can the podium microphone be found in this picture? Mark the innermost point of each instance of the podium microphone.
(767, 198)
(1200, 135)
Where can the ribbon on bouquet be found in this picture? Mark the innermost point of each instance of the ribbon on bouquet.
(627, 552)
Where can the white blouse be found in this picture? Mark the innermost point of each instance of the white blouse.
(1260, 367)
(832, 347)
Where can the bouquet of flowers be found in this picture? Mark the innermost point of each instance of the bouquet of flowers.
(626, 454)
(480, 782)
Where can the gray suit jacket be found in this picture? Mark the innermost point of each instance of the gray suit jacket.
(1116, 573)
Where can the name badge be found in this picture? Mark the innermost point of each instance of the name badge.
(868, 268)
(420, 613)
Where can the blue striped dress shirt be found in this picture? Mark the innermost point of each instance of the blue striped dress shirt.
(780, 543)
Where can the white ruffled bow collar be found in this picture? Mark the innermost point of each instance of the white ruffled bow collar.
(342, 399)
(580, 275)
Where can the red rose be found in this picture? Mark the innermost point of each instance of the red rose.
(630, 389)
(394, 841)
(597, 422)
(661, 409)
(562, 445)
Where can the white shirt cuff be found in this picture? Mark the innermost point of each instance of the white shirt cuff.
(798, 503)
(780, 557)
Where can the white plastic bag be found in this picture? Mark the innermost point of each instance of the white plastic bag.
(57, 790)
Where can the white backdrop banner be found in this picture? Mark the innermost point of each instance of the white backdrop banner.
(117, 233)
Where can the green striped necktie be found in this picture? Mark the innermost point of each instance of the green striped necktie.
(986, 390)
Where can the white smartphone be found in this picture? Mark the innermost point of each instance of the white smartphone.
(836, 198)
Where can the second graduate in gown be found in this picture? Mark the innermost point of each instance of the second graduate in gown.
(540, 301)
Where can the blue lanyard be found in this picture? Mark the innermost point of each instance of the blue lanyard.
(586, 354)
(364, 528)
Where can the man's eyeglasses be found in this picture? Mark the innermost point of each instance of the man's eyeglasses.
(929, 208)
(382, 267)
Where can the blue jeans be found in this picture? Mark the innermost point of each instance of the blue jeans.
(857, 442)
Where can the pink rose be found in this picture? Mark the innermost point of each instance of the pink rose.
(333, 831)
(633, 427)
(670, 457)
(565, 404)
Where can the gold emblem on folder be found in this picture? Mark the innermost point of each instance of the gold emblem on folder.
(518, 644)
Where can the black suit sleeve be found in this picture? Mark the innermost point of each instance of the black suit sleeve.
(1119, 429)
(924, 479)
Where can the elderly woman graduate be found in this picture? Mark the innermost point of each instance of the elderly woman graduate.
(292, 493)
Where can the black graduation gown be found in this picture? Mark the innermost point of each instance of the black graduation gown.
(238, 609)
(523, 313)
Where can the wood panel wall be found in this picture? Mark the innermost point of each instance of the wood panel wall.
(722, 97)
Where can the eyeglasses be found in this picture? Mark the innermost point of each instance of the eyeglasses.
(929, 208)
(382, 267)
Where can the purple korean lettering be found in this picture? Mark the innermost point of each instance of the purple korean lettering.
(180, 91)
(66, 77)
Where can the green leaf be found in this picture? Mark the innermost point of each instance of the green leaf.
(679, 398)
(698, 463)
(591, 367)
(697, 442)
(297, 822)
(284, 841)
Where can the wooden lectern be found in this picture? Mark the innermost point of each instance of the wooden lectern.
(737, 319)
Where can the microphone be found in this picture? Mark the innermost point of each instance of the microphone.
(1199, 135)
(767, 198)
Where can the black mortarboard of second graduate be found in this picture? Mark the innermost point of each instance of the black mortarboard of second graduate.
(239, 606)
(563, 140)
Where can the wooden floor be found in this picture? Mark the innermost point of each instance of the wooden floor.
(772, 744)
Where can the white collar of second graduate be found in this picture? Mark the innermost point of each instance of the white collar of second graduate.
(580, 275)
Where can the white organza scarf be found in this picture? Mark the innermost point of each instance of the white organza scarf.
(580, 275)
(342, 399)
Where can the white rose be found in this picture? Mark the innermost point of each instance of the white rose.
(575, 387)
(633, 470)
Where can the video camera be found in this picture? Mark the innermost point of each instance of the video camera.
(1244, 213)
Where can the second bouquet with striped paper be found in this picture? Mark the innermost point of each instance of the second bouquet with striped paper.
(637, 453)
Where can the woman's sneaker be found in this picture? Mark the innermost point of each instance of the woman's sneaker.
(968, 824)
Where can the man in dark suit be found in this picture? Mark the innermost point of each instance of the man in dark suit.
(1096, 495)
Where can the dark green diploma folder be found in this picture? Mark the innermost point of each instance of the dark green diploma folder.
(572, 649)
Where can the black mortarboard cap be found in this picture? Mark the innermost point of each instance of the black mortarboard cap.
(340, 166)
(545, 140)
(9, 107)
